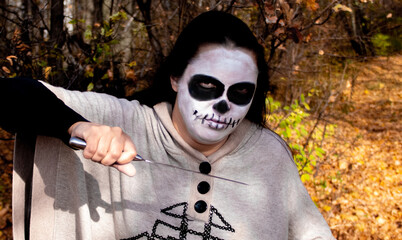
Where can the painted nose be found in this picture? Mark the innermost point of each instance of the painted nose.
(222, 107)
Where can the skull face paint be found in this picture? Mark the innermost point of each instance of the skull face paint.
(206, 88)
(215, 92)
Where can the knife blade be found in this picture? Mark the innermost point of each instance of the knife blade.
(78, 143)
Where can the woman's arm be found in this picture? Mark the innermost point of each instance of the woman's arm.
(28, 106)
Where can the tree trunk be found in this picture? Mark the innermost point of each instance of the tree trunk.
(354, 25)
(56, 22)
(145, 8)
(57, 39)
(26, 38)
(98, 11)
(3, 28)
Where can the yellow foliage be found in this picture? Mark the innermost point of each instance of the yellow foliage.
(362, 198)
(326, 208)
(47, 71)
(312, 5)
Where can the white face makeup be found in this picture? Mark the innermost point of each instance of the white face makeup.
(215, 92)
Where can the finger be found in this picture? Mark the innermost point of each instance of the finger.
(114, 153)
(127, 169)
(102, 149)
(91, 147)
(129, 152)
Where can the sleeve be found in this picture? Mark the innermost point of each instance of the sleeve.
(103, 108)
(306, 221)
(28, 106)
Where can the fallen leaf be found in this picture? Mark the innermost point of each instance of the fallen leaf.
(5, 69)
(10, 59)
(47, 71)
(340, 7)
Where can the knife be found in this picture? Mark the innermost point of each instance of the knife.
(78, 143)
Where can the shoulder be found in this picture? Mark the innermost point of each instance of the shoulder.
(264, 145)
(267, 139)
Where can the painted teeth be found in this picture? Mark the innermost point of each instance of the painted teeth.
(217, 124)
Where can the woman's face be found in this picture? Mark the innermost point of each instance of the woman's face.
(215, 92)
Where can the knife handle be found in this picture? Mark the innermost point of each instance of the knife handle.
(79, 143)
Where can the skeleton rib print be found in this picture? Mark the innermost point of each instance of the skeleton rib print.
(183, 230)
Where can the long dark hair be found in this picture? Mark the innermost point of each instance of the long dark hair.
(209, 27)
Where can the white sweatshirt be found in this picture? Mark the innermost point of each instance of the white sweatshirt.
(74, 198)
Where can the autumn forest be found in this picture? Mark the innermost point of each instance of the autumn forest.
(335, 79)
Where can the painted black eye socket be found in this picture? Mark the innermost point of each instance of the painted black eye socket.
(204, 88)
(241, 93)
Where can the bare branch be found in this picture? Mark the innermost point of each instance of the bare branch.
(314, 21)
(41, 16)
(132, 15)
(230, 6)
(7, 139)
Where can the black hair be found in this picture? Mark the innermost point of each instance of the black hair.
(217, 28)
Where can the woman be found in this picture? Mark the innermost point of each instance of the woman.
(204, 113)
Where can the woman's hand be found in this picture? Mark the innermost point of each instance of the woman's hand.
(109, 146)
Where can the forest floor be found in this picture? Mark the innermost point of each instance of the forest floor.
(6, 169)
(358, 186)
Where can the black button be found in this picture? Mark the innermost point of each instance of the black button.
(200, 206)
(203, 187)
(205, 167)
